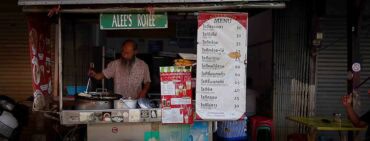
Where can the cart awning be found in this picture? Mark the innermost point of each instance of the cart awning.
(160, 7)
(82, 2)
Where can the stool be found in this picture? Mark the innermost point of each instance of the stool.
(297, 137)
(264, 123)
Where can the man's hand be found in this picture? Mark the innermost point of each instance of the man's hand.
(144, 91)
(352, 115)
(347, 100)
(97, 76)
(141, 95)
(91, 73)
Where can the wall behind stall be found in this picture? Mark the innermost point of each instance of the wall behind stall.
(15, 68)
(80, 47)
(293, 95)
(260, 51)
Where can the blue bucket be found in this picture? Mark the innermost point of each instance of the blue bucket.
(72, 90)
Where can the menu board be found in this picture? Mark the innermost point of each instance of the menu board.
(176, 95)
(221, 66)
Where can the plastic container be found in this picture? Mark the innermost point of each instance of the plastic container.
(129, 104)
(72, 90)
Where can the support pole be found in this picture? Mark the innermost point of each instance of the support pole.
(354, 19)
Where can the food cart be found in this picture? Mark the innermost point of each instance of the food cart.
(169, 34)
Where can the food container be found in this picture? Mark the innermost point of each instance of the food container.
(118, 104)
(129, 103)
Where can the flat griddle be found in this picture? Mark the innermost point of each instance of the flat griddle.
(98, 96)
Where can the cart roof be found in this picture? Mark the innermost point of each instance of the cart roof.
(83, 2)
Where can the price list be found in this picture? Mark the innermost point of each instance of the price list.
(221, 69)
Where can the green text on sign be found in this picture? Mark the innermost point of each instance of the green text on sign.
(133, 21)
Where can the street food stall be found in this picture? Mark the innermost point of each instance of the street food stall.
(197, 62)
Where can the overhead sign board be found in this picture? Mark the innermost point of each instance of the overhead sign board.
(117, 21)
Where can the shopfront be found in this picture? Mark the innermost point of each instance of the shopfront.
(196, 54)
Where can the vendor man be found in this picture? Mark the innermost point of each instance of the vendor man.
(130, 74)
(357, 121)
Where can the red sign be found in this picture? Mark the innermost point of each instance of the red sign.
(40, 47)
(176, 95)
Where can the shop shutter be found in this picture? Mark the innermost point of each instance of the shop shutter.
(15, 69)
(332, 67)
(365, 72)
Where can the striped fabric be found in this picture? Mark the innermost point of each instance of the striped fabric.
(232, 129)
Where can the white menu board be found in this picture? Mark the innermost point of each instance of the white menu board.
(221, 66)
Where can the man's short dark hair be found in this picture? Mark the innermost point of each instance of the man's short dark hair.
(130, 41)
